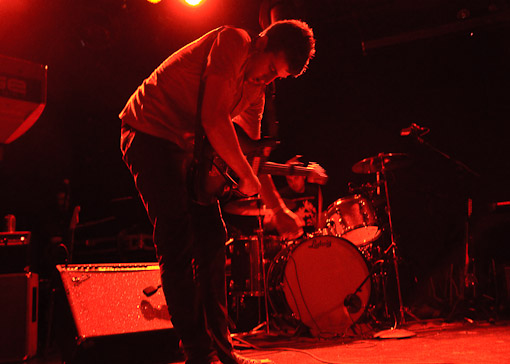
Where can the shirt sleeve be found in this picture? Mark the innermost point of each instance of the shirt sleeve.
(228, 54)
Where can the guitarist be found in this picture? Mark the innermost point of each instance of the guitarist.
(212, 82)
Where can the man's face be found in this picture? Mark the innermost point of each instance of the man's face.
(296, 183)
(263, 68)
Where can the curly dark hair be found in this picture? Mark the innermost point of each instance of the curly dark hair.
(295, 38)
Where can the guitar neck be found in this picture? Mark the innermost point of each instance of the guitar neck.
(278, 169)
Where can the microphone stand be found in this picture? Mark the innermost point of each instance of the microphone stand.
(448, 157)
(468, 280)
(352, 301)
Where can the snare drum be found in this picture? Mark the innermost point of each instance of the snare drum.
(353, 218)
(314, 282)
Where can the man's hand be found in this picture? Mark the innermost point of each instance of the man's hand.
(317, 174)
(249, 185)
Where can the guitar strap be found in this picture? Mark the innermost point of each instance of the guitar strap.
(199, 130)
(270, 122)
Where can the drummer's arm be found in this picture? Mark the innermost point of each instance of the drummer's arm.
(286, 222)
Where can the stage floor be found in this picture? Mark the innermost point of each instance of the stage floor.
(433, 342)
(429, 341)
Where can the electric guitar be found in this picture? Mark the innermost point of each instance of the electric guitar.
(213, 179)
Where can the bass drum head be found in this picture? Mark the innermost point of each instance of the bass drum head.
(318, 276)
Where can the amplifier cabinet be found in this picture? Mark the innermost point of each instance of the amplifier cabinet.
(18, 316)
(108, 306)
(14, 252)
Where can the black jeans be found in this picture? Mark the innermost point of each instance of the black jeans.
(190, 244)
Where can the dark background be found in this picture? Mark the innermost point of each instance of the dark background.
(380, 66)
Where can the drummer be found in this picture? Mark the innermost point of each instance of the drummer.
(301, 197)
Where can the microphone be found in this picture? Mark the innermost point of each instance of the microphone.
(353, 303)
(414, 129)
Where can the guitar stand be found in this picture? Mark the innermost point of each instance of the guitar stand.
(467, 306)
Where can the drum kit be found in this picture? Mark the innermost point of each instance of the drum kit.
(327, 281)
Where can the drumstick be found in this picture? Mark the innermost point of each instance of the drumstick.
(319, 208)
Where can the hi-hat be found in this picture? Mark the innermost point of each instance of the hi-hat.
(249, 206)
(380, 162)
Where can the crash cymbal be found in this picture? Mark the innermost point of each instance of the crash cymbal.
(386, 161)
(249, 206)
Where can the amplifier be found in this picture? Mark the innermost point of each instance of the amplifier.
(15, 238)
(18, 316)
(14, 252)
(109, 308)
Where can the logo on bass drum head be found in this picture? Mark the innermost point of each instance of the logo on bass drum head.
(320, 243)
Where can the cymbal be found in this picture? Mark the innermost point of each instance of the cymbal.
(380, 162)
(249, 206)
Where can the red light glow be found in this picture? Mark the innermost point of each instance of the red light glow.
(193, 2)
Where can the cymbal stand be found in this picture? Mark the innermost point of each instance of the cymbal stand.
(394, 257)
(260, 268)
(260, 241)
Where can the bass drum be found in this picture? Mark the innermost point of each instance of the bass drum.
(313, 282)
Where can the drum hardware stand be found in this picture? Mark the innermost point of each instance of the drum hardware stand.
(393, 332)
(320, 220)
(260, 261)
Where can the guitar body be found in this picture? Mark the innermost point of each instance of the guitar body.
(207, 183)
(212, 178)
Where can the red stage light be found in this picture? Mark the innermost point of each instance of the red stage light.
(193, 2)
(187, 2)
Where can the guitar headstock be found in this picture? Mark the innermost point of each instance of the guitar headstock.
(317, 174)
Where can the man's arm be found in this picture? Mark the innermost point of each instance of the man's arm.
(286, 222)
(220, 132)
